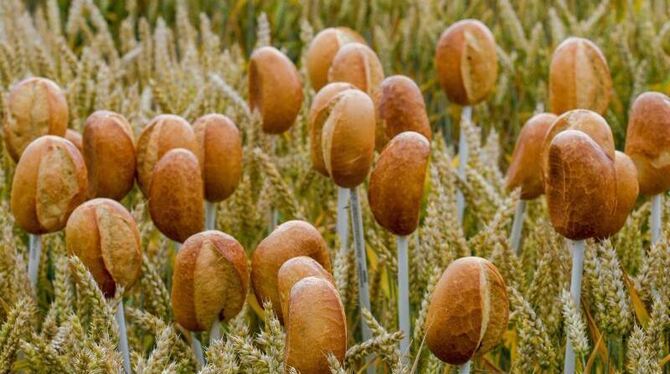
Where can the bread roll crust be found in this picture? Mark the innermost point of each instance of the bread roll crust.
(316, 325)
(220, 155)
(164, 133)
(648, 141)
(176, 195)
(35, 107)
(75, 138)
(275, 89)
(49, 183)
(318, 114)
(103, 234)
(627, 190)
(585, 121)
(579, 77)
(288, 240)
(210, 280)
(468, 311)
(292, 271)
(348, 138)
(109, 152)
(467, 62)
(401, 108)
(323, 49)
(397, 183)
(525, 170)
(359, 65)
(581, 186)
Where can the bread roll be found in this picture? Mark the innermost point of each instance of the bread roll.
(525, 170)
(648, 141)
(397, 183)
(581, 186)
(220, 155)
(275, 89)
(315, 326)
(176, 195)
(467, 62)
(35, 107)
(323, 49)
(104, 236)
(292, 271)
(468, 311)
(164, 133)
(401, 108)
(109, 152)
(288, 240)
(318, 114)
(49, 183)
(210, 280)
(348, 138)
(359, 65)
(579, 77)
(75, 138)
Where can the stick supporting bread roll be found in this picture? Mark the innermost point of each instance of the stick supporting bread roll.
(465, 368)
(517, 225)
(342, 226)
(656, 212)
(123, 336)
(35, 250)
(361, 260)
(403, 294)
(577, 249)
(463, 155)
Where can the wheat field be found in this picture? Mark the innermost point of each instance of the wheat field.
(145, 58)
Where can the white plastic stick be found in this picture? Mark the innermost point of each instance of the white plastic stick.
(210, 215)
(361, 261)
(403, 294)
(342, 217)
(656, 212)
(35, 250)
(577, 249)
(465, 368)
(197, 349)
(123, 336)
(517, 225)
(463, 156)
(215, 332)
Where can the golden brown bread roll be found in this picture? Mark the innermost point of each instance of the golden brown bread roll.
(397, 182)
(176, 195)
(75, 138)
(315, 326)
(49, 183)
(295, 269)
(581, 186)
(579, 77)
(359, 65)
(586, 121)
(648, 141)
(35, 107)
(104, 236)
(401, 108)
(275, 89)
(348, 138)
(163, 133)
(525, 170)
(210, 280)
(288, 240)
(468, 311)
(466, 62)
(220, 155)
(627, 190)
(318, 114)
(323, 49)
(109, 152)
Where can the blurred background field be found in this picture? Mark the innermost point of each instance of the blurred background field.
(144, 58)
